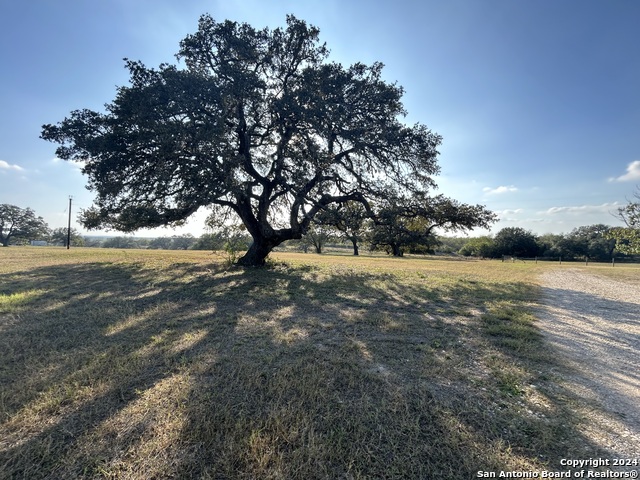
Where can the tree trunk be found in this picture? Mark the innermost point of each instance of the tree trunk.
(397, 250)
(355, 247)
(258, 252)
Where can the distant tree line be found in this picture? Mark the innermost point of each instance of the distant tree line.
(410, 227)
(593, 242)
(207, 241)
(394, 228)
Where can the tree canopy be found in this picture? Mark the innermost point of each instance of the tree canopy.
(479, 247)
(630, 213)
(628, 238)
(16, 222)
(349, 218)
(60, 236)
(515, 241)
(411, 222)
(255, 122)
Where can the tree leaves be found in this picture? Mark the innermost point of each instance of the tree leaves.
(255, 121)
(16, 222)
(628, 239)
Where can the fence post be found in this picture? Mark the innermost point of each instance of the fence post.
(613, 261)
(536, 260)
(586, 261)
(560, 260)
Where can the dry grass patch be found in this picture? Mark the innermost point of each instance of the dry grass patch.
(145, 364)
(628, 273)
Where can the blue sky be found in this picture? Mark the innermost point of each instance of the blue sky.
(538, 101)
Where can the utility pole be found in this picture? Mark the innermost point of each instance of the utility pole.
(69, 225)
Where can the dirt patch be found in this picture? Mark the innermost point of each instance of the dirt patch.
(594, 325)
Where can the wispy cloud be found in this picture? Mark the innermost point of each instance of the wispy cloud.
(499, 190)
(7, 166)
(581, 209)
(509, 215)
(510, 212)
(633, 173)
(76, 165)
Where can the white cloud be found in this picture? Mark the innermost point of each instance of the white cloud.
(75, 165)
(500, 189)
(633, 173)
(510, 215)
(510, 212)
(581, 209)
(7, 166)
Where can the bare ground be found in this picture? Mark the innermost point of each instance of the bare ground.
(594, 324)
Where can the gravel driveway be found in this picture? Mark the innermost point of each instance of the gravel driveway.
(594, 324)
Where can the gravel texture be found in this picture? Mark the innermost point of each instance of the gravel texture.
(593, 323)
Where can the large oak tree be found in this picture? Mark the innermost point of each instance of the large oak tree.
(256, 122)
(350, 219)
(401, 223)
(16, 222)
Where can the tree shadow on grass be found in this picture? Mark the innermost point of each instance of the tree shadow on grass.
(192, 371)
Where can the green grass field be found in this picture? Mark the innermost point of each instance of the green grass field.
(158, 364)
